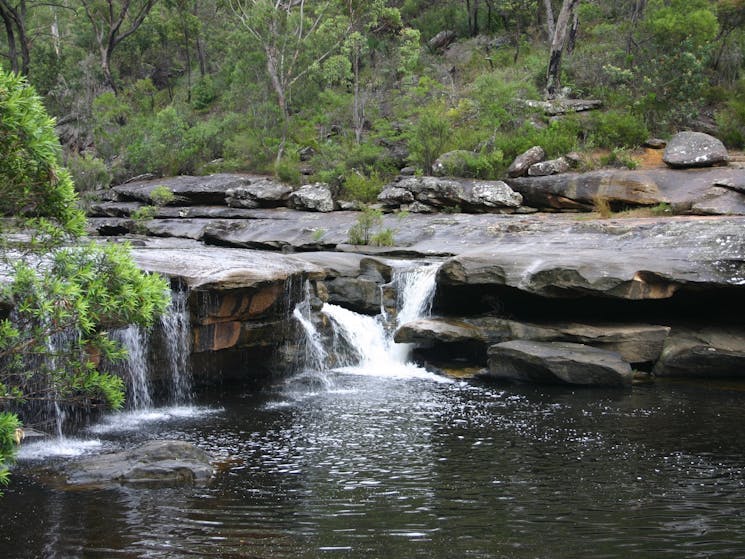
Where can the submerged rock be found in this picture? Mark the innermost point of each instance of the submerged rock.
(151, 463)
(557, 363)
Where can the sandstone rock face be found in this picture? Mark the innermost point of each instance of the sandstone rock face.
(636, 343)
(692, 191)
(705, 351)
(151, 463)
(434, 192)
(523, 162)
(261, 193)
(188, 190)
(624, 260)
(313, 198)
(694, 149)
(557, 363)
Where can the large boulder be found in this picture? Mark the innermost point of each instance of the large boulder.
(442, 40)
(151, 463)
(557, 363)
(550, 167)
(315, 197)
(261, 193)
(703, 352)
(441, 193)
(694, 149)
(523, 162)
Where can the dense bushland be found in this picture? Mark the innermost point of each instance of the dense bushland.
(348, 92)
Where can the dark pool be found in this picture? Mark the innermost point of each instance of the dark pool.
(363, 466)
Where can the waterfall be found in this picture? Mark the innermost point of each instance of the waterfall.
(364, 344)
(136, 369)
(175, 326)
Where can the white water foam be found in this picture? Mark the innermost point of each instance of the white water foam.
(373, 351)
(133, 420)
(58, 447)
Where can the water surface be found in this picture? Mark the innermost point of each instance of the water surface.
(356, 465)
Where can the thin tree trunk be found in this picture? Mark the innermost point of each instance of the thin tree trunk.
(550, 25)
(359, 117)
(558, 44)
(636, 15)
(11, 37)
(573, 33)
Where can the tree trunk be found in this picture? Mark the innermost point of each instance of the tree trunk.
(550, 25)
(11, 37)
(108, 79)
(558, 44)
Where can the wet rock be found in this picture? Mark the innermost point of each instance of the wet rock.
(705, 351)
(259, 193)
(523, 162)
(557, 363)
(694, 149)
(187, 190)
(636, 343)
(468, 195)
(151, 463)
(550, 167)
(315, 197)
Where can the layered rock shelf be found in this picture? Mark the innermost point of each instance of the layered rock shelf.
(550, 293)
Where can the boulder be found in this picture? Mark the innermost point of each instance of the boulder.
(522, 162)
(188, 191)
(550, 167)
(703, 352)
(470, 195)
(452, 163)
(694, 149)
(315, 197)
(557, 363)
(442, 40)
(261, 193)
(151, 463)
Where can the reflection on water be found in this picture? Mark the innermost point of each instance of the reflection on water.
(363, 466)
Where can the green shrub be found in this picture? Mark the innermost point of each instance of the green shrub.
(428, 138)
(89, 173)
(612, 129)
(288, 170)
(731, 118)
(362, 232)
(361, 188)
(162, 195)
(383, 238)
(619, 157)
(203, 93)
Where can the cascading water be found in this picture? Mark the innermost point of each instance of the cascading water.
(135, 368)
(364, 344)
(176, 333)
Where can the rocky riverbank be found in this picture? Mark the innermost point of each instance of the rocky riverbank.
(657, 293)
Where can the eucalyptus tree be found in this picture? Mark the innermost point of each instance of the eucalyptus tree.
(13, 15)
(296, 37)
(113, 21)
(559, 42)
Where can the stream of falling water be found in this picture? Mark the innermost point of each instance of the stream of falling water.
(363, 344)
(137, 372)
